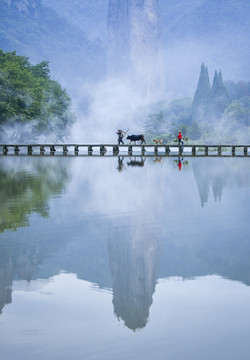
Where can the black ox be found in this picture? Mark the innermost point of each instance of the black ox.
(135, 138)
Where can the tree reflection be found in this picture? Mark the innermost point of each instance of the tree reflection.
(213, 175)
(28, 191)
(23, 193)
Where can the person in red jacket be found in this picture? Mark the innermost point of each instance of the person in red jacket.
(180, 138)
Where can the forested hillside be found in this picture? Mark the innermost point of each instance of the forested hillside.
(88, 16)
(32, 30)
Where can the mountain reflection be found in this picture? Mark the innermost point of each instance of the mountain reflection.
(214, 175)
(147, 224)
(134, 261)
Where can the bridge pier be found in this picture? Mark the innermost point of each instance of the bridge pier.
(167, 150)
(206, 150)
(52, 149)
(219, 150)
(193, 150)
(65, 150)
(103, 150)
(30, 150)
(245, 151)
(16, 150)
(116, 150)
(90, 150)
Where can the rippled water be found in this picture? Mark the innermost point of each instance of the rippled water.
(124, 258)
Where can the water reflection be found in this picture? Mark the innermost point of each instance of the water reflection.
(158, 159)
(134, 259)
(135, 162)
(27, 188)
(214, 175)
(123, 232)
(120, 163)
(180, 163)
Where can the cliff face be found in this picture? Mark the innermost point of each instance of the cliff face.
(133, 43)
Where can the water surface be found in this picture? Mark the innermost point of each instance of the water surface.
(124, 258)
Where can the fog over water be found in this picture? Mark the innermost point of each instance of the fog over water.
(126, 249)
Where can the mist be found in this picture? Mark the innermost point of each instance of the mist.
(132, 67)
(113, 104)
(125, 101)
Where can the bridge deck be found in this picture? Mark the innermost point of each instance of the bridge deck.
(194, 149)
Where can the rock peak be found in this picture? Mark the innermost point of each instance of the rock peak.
(134, 43)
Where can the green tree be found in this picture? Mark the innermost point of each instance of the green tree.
(238, 112)
(238, 89)
(155, 123)
(179, 111)
(29, 97)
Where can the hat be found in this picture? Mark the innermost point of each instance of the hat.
(179, 130)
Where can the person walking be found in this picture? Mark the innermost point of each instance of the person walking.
(120, 134)
(180, 138)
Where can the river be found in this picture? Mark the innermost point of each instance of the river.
(124, 258)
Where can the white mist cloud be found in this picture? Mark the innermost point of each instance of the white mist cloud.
(114, 104)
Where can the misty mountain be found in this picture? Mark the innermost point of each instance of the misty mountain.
(133, 47)
(88, 16)
(33, 30)
(209, 31)
(193, 32)
(72, 35)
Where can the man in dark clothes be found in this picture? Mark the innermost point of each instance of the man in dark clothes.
(120, 134)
